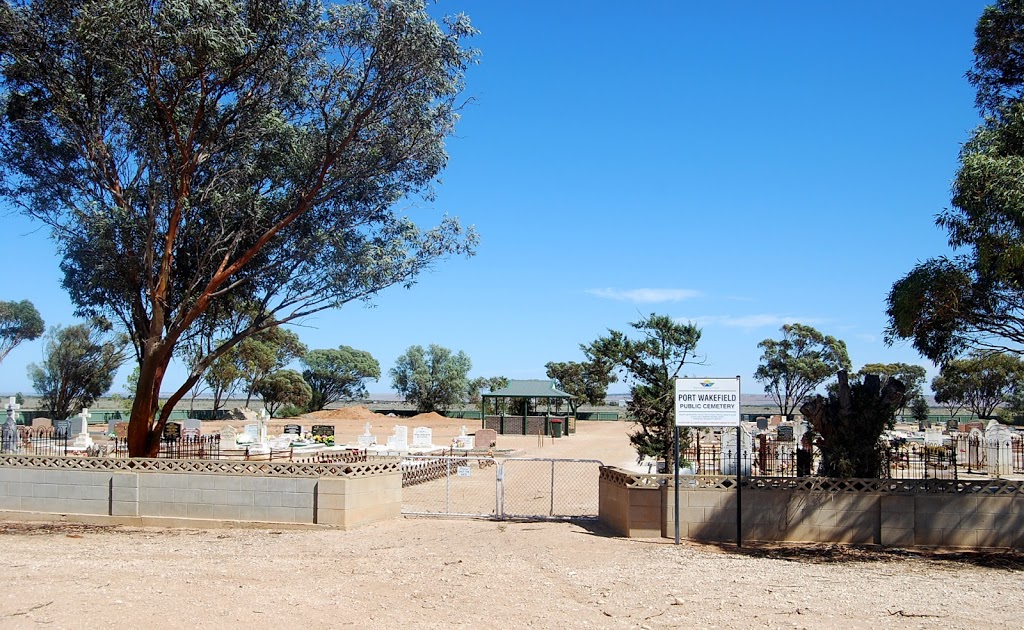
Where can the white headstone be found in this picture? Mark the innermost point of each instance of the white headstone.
(728, 466)
(252, 432)
(9, 433)
(933, 437)
(367, 438)
(999, 455)
(422, 437)
(228, 435)
(400, 440)
(12, 408)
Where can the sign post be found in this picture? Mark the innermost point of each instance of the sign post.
(710, 402)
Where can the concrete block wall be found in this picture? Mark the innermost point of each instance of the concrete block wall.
(633, 512)
(970, 519)
(227, 497)
(54, 490)
(135, 497)
(353, 501)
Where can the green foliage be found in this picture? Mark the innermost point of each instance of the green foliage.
(290, 411)
(222, 377)
(919, 410)
(587, 381)
(912, 377)
(949, 392)
(792, 367)
(19, 321)
(266, 352)
(230, 155)
(79, 363)
(850, 423)
(433, 379)
(19, 399)
(477, 385)
(284, 388)
(975, 300)
(340, 374)
(650, 365)
(981, 382)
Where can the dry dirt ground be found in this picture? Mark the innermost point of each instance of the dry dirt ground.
(450, 573)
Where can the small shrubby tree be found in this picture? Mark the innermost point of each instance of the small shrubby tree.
(792, 367)
(650, 365)
(284, 387)
(79, 364)
(912, 376)
(982, 382)
(433, 378)
(338, 375)
(587, 381)
(264, 353)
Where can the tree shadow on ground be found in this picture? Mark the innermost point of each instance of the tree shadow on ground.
(1008, 559)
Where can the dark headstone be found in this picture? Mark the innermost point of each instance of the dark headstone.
(172, 431)
(785, 433)
(323, 429)
(292, 429)
(62, 427)
(762, 423)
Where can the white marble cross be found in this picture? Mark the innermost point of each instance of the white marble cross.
(85, 415)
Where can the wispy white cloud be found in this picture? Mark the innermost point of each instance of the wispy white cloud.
(645, 296)
(750, 322)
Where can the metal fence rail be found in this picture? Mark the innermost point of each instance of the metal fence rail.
(38, 441)
(184, 447)
(549, 488)
(453, 485)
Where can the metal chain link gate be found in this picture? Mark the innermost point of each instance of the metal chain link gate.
(518, 487)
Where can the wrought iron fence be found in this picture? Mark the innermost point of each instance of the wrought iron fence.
(903, 460)
(39, 441)
(184, 447)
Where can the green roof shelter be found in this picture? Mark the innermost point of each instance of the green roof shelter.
(527, 424)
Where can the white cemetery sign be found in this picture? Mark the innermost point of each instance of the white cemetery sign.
(707, 402)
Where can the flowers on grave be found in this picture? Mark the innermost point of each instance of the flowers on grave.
(326, 440)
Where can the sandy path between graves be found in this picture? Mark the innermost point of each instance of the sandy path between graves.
(443, 573)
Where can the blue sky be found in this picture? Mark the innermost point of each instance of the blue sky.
(741, 165)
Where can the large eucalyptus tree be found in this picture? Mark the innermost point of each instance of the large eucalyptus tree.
(228, 156)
